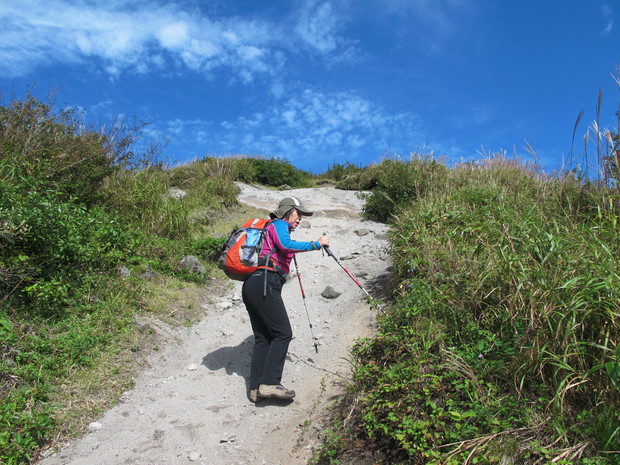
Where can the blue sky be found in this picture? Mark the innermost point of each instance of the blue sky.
(318, 82)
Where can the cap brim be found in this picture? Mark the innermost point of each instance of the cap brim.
(282, 209)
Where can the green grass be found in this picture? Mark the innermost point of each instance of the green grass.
(502, 342)
(75, 205)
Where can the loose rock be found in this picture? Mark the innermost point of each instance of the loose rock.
(330, 293)
(192, 264)
(123, 272)
(177, 415)
(193, 456)
(149, 273)
(176, 193)
(95, 426)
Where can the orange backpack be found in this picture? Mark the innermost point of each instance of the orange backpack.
(241, 252)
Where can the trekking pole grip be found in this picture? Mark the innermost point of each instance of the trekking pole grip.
(329, 252)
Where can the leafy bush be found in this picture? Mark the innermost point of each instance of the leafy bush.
(40, 355)
(274, 172)
(420, 401)
(49, 245)
(25, 421)
(278, 172)
(363, 180)
(399, 183)
(339, 172)
(208, 248)
(60, 236)
(53, 151)
(503, 343)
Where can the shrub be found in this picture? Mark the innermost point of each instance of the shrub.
(209, 248)
(527, 287)
(362, 180)
(51, 151)
(278, 172)
(339, 171)
(399, 183)
(25, 421)
(48, 245)
(502, 344)
(75, 204)
(274, 172)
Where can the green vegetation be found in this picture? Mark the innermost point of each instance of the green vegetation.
(76, 206)
(339, 172)
(272, 172)
(502, 345)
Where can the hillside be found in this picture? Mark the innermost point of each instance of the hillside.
(190, 403)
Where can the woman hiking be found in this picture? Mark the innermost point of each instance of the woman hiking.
(262, 298)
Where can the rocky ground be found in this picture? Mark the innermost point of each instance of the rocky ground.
(191, 404)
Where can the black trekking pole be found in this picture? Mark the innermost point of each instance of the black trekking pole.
(303, 295)
(329, 252)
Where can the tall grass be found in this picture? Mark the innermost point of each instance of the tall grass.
(502, 345)
(76, 204)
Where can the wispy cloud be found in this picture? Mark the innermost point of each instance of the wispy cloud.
(133, 36)
(308, 127)
(608, 19)
(430, 22)
(316, 26)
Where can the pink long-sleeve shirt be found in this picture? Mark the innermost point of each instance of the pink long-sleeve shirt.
(278, 241)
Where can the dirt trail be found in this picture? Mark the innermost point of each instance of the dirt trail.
(191, 404)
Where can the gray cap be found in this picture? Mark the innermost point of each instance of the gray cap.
(286, 204)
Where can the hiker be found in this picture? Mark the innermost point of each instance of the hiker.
(263, 301)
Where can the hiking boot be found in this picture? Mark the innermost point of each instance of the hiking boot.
(276, 391)
(254, 396)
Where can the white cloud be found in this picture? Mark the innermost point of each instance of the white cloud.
(173, 36)
(355, 141)
(135, 36)
(129, 37)
(289, 117)
(608, 20)
(319, 28)
(316, 26)
(432, 23)
(311, 126)
(441, 14)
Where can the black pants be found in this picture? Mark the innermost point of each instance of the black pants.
(271, 326)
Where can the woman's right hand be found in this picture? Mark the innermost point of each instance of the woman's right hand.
(324, 241)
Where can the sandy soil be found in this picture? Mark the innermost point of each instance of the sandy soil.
(191, 404)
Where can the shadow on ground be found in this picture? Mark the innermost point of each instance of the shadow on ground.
(235, 360)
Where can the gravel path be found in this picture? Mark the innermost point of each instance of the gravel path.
(190, 405)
